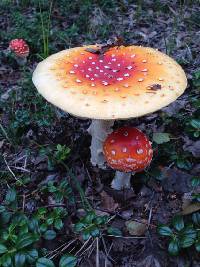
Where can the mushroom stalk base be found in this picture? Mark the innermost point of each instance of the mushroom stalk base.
(121, 180)
(99, 130)
(21, 61)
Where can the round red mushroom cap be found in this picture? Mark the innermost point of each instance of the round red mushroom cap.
(19, 47)
(128, 149)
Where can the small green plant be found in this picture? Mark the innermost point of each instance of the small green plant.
(193, 127)
(55, 154)
(45, 25)
(61, 153)
(182, 235)
(92, 225)
(21, 232)
(59, 191)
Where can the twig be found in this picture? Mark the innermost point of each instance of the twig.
(10, 169)
(107, 251)
(64, 248)
(5, 133)
(90, 246)
(149, 219)
(127, 237)
(85, 243)
(23, 204)
(21, 169)
(97, 253)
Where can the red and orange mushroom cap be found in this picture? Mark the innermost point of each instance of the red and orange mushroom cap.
(128, 149)
(124, 82)
(19, 47)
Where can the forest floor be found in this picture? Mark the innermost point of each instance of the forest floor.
(53, 202)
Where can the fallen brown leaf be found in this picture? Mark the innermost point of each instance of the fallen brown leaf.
(107, 202)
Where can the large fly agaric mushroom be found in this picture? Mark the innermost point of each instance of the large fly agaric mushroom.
(20, 49)
(127, 150)
(106, 83)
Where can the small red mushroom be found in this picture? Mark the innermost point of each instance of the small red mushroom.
(20, 49)
(127, 150)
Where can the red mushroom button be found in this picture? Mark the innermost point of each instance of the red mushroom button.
(128, 150)
(19, 47)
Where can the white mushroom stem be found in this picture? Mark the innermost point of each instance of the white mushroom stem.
(121, 180)
(21, 61)
(99, 129)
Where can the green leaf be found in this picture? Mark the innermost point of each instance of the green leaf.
(32, 255)
(44, 262)
(196, 197)
(196, 134)
(3, 249)
(2, 208)
(58, 224)
(49, 235)
(34, 225)
(160, 138)
(94, 231)
(188, 237)
(43, 227)
(195, 181)
(173, 247)
(86, 235)
(5, 217)
(178, 222)
(164, 230)
(197, 246)
(42, 211)
(195, 123)
(183, 164)
(6, 260)
(49, 221)
(114, 231)
(196, 218)
(19, 260)
(79, 226)
(25, 241)
(89, 217)
(11, 195)
(68, 261)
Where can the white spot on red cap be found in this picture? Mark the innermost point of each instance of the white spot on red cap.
(104, 83)
(140, 151)
(124, 149)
